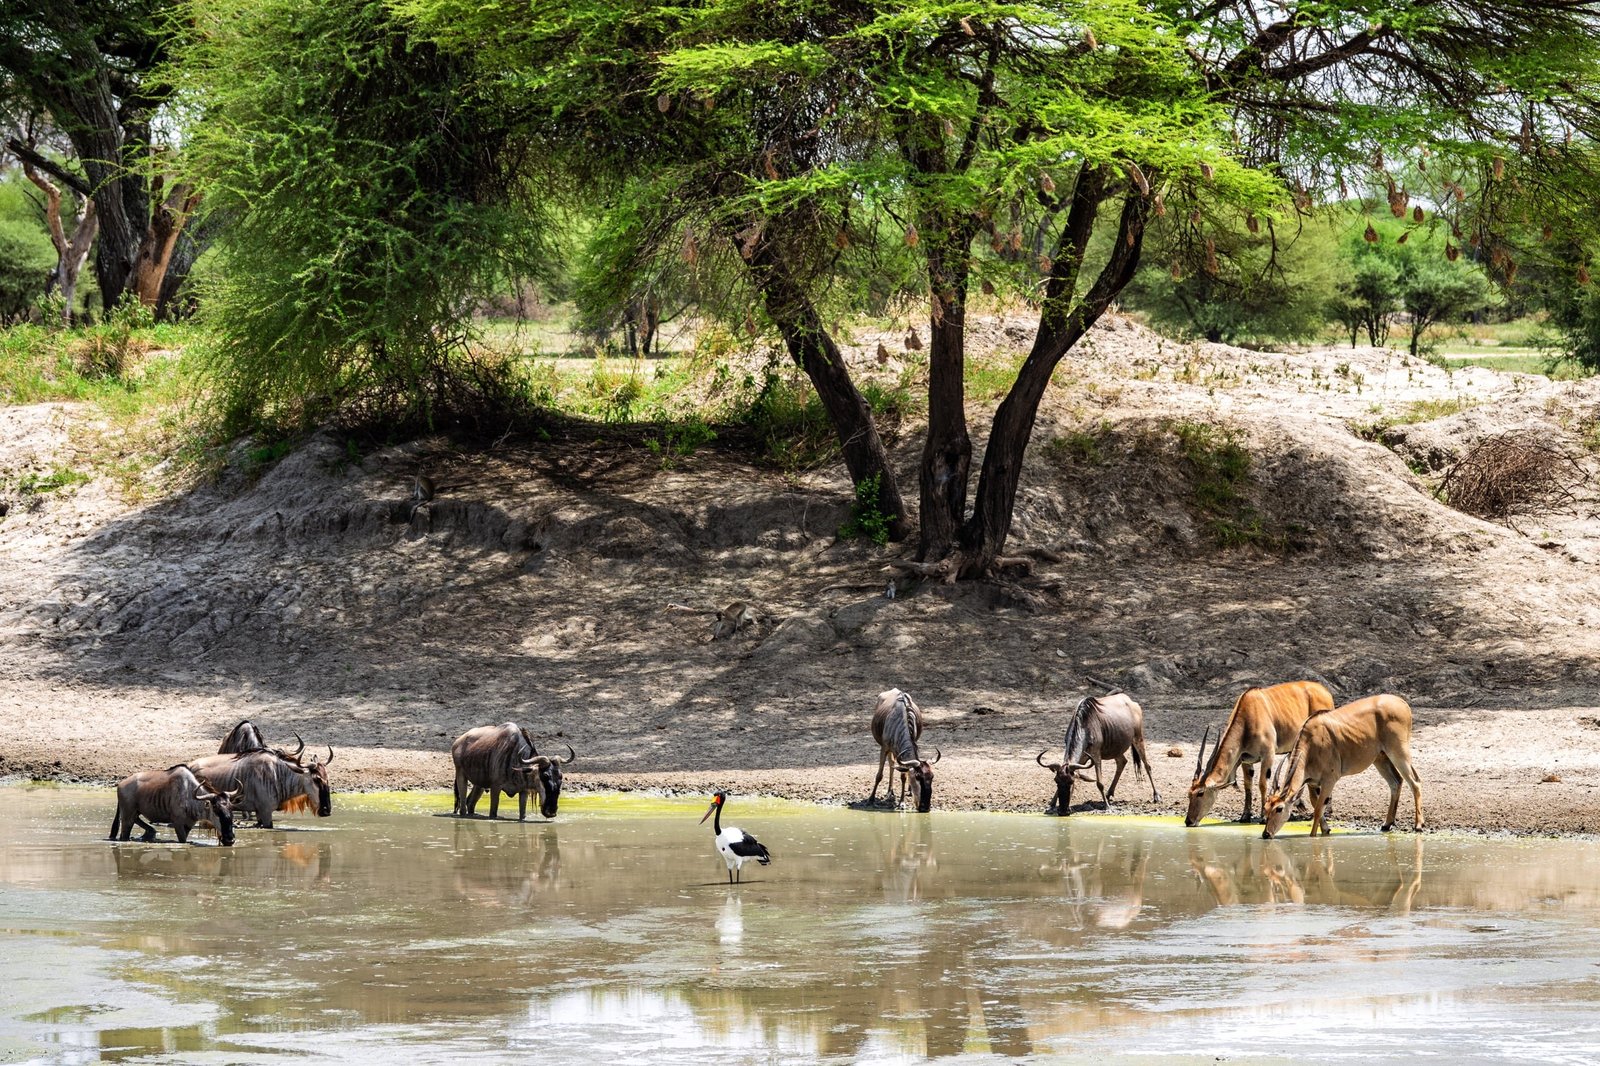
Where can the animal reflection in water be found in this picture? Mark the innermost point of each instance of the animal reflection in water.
(734, 844)
(907, 857)
(1264, 871)
(1106, 891)
(509, 871)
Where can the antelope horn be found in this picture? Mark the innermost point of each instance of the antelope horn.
(937, 755)
(1200, 756)
(301, 748)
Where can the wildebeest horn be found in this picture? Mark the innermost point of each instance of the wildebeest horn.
(1200, 756)
(298, 750)
(937, 755)
(330, 754)
(571, 755)
(233, 796)
(203, 794)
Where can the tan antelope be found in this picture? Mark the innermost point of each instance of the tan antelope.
(1264, 724)
(1375, 731)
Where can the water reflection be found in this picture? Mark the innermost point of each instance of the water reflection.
(1265, 871)
(874, 937)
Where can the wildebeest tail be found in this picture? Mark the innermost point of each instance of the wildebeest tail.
(1139, 768)
(116, 822)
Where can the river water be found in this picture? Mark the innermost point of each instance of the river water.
(393, 932)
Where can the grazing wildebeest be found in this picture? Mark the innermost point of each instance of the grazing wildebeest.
(173, 796)
(1103, 727)
(896, 726)
(1264, 723)
(270, 782)
(503, 759)
(1375, 731)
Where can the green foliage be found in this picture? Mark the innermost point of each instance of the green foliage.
(1273, 285)
(1218, 467)
(1575, 313)
(866, 519)
(365, 187)
(26, 259)
(680, 440)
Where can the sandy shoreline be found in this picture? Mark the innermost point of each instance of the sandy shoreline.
(1469, 783)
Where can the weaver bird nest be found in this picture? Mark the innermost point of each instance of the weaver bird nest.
(1512, 475)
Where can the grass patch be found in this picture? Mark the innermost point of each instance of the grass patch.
(1080, 447)
(1219, 469)
(1530, 362)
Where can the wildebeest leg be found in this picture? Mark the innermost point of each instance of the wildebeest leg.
(461, 793)
(522, 806)
(1107, 793)
(494, 803)
(1141, 759)
(883, 759)
(1249, 790)
(1391, 777)
(183, 833)
(149, 830)
(472, 801)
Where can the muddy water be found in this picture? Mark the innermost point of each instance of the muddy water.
(390, 932)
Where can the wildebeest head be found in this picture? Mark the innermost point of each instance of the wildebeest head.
(920, 774)
(314, 782)
(219, 812)
(1201, 797)
(1064, 774)
(546, 772)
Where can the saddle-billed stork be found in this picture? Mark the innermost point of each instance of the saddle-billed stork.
(734, 845)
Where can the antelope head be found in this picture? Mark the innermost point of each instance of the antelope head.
(1201, 797)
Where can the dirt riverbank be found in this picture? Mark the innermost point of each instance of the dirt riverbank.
(576, 590)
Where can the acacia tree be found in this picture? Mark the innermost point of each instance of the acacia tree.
(781, 130)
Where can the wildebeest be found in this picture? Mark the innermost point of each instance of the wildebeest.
(270, 781)
(503, 759)
(1264, 723)
(896, 726)
(244, 738)
(1102, 727)
(173, 796)
(1375, 731)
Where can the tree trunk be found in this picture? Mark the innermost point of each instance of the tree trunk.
(947, 451)
(811, 347)
(160, 239)
(71, 252)
(1061, 326)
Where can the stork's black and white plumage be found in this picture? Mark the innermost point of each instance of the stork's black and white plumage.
(734, 845)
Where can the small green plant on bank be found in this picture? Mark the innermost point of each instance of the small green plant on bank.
(866, 520)
(681, 440)
(1219, 469)
(1079, 447)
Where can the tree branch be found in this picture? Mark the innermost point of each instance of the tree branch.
(66, 177)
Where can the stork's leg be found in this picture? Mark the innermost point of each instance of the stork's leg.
(1249, 792)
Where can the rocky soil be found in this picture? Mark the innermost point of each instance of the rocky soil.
(577, 589)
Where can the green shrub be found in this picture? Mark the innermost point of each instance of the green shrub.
(866, 520)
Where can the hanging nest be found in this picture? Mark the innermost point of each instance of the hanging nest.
(1512, 475)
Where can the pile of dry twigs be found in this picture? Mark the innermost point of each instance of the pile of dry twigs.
(1512, 475)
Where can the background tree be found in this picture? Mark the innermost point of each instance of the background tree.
(90, 66)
